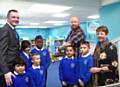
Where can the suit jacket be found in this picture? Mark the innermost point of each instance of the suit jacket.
(9, 48)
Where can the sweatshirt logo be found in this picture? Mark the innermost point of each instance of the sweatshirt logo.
(85, 62)
(44, 53)
(72, 65)
(41, 72)
(27, 79)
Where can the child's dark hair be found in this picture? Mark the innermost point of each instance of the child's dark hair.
(38, 37)
(86, 43)
(19, 61)
(70, 46)
(25, 44)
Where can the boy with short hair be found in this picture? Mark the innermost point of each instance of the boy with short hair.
(21, 78)
(85, 64)
(68, 69)
(37, 72)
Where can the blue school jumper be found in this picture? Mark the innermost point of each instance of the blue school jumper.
(27, 59)
(45, 56)
(38, 75)
(23, 80)
(85, 63)
(45, 59)
(68, 71)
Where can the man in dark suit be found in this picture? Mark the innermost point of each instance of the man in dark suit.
(9, 47)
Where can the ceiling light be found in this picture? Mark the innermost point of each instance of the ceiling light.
(34, 24)
(93, 17)
(60, 15)
(31, 27)
(54, 22)
(47, 8)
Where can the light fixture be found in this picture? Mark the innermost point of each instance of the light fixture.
(58, 24)
(54, 22)
(35, 24)
(61, 15)
(93, 16)
(31, 27)
(47, 8)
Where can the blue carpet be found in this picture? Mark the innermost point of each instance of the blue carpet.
(53, 75)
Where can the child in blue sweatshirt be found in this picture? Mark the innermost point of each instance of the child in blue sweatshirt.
(43, 52)
(25, 53)
(68, 69)
(36, 71)
(21, 78)
(85, 64)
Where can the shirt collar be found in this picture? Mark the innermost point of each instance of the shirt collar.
(18, 73)
(86, 54)
(25, 54)
(69, 58)
(10, 25)
(36, 67)
(39, 49)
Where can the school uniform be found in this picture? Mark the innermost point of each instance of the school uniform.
(22, 80)
(68, 71)
(45, 59)
(27, 59)
(44, 55)
(85, 63)
(38, 75)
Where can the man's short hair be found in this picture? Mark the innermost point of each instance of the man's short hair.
(12, 10)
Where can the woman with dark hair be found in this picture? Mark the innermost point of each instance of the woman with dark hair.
(25, 52)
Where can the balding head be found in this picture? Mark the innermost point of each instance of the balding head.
(74, 23)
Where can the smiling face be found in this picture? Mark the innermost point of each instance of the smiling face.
(74, 23)
(101, 36)
(27, 50)
(36, 60)
(13, 18)
(20, 68)
(102, 33)
(39, 43)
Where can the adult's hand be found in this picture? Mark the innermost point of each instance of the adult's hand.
(8, 78)
(95, 69)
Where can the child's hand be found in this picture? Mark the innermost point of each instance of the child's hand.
(64, 83)
(81, 83)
